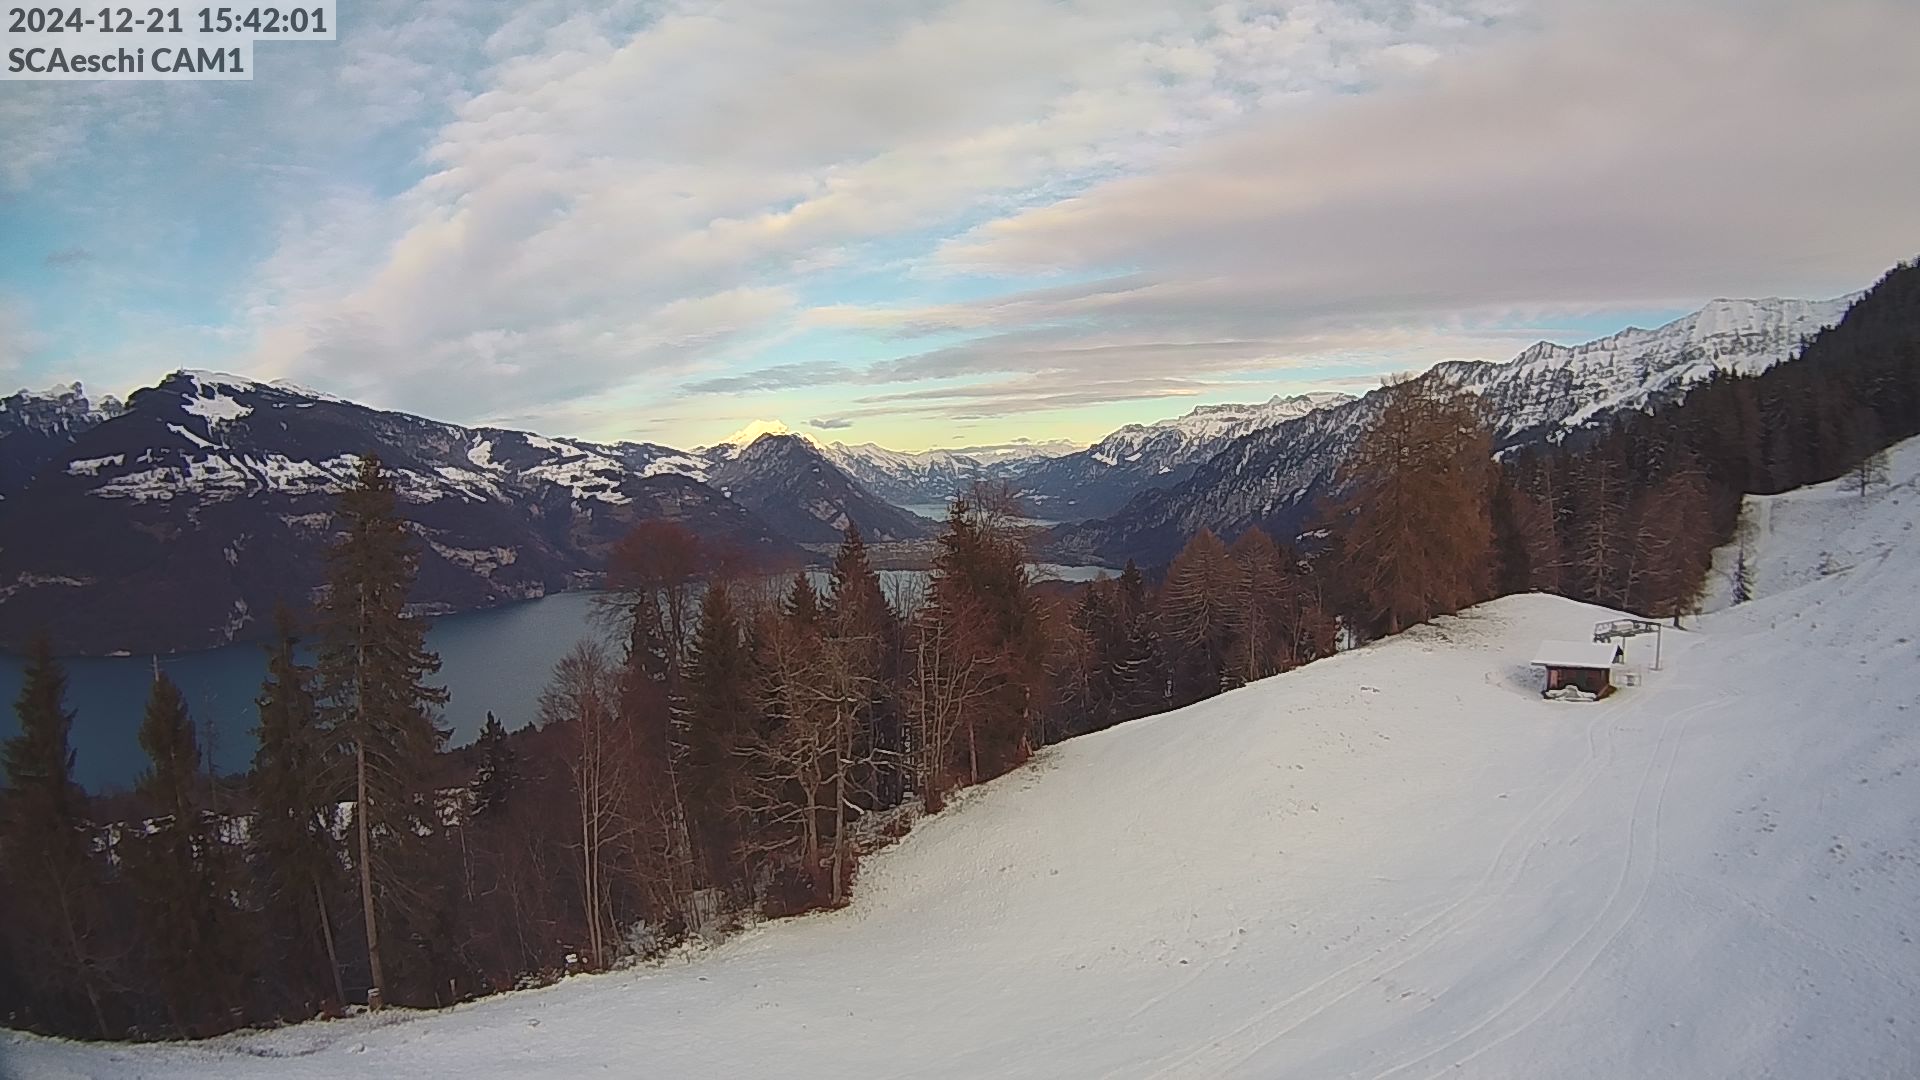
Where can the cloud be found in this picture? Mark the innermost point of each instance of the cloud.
(579, 216)
(1641, 153)
(569, 209)
(830, 423)
(1613, 157)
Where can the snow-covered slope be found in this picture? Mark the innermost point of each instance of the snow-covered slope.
(907, 479)
(36, 426)
(1798, 538)
(182, 521)
(1271, 476)
(1556, 388)
(1400, 862)
(1139, 457)
(928, 477)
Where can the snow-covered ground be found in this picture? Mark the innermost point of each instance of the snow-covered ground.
(1399, 862)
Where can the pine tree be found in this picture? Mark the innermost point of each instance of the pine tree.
(716, 722)
(1742, 577)
(867, 632)
(373, 666)
(802, 603)
(983, 593)
(497, 775)
(44, 843)
(183, 875)
(295, 789)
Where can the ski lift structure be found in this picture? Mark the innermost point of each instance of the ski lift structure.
(1622, 629)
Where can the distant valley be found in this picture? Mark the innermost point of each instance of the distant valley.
(178, 519)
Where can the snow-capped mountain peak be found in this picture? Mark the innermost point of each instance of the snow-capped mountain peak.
(1548, 391)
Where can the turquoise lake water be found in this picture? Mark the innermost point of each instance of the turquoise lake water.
(497, 660)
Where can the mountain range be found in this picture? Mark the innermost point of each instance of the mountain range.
(178, 519)
(1271, 477)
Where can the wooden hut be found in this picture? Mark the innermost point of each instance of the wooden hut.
(1586, 666)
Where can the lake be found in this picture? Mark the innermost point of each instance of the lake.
(497, 660)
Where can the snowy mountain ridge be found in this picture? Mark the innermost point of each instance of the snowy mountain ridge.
(180, 522)
(1564, 387)
(1139, 457)
(1230, 421)
(1271, 476)
(35, 426)
(915, 478)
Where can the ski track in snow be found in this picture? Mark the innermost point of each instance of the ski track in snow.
(1399, 863)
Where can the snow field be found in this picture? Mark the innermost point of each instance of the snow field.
(1398, 862)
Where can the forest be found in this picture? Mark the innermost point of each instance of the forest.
(750, 737)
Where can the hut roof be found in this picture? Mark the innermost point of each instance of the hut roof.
(1574, 654)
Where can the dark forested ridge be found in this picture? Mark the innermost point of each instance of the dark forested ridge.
(753, 737)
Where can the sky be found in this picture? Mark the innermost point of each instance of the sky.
(952, 223)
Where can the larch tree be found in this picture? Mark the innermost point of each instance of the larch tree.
(44, 841)
(295, 786)
(1417, 538)
(1868, 471)
(1259, 592)
(373, 667)
(1198, 617)
(1597, 545)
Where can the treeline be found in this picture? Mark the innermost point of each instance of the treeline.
(1629, 516)
(745, 739)
(732, 756)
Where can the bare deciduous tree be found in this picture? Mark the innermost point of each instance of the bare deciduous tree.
(583, 698)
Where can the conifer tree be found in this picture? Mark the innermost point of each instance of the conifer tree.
(716, 722)
(497, 774)
(1196, 609)
(43, 839)
(1417, 535)
(1258, 595)
(295, 787)
(867, 633)
(182, 874)
(1868, 471)
(982, 600)
(373, 666)
(802, 603)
